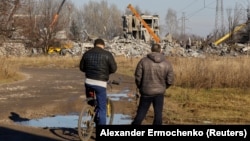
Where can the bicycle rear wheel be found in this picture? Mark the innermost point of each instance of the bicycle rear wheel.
(86, 122)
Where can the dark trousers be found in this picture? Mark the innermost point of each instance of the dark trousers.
(101, 99)
(143, 108)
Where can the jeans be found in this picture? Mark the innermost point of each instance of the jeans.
(101, 96)
(143, 108)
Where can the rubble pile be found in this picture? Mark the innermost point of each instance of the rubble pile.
(12, 49)
(133, 48)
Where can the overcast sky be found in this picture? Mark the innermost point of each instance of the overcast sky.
(199, 14)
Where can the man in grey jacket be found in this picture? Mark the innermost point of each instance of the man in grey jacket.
(153, 75)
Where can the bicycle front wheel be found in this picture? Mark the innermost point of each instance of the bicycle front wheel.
(86, 122)
(110, 111)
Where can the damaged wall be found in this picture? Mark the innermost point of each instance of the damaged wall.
(134, 29)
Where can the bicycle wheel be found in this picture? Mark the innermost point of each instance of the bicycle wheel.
(110, 111)
(86, 122)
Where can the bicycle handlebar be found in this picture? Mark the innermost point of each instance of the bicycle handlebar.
(114, 82)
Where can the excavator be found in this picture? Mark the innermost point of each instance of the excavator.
(226, 36)
(151, 32)
(58, 48)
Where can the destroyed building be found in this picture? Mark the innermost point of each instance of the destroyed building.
(135, 29)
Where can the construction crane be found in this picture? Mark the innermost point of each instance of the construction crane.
(151, 32)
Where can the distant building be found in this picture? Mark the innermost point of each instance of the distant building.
(133, 28)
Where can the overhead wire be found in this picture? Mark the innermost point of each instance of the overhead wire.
(188, 5)
(197, 11)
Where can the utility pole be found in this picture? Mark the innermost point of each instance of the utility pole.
(219, 17)
(248, 19)
(183, 24)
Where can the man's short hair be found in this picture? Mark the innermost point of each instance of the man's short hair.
(99, 41)
(156, 48)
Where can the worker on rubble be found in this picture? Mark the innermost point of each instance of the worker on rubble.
(98, 64)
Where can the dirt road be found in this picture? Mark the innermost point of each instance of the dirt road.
(46, 92)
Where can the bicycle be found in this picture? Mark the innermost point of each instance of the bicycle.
(86, 120)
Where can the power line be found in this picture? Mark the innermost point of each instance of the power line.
(197, 11)
(188, 5)
(184, 18)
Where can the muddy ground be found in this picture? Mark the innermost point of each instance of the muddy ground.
(49, 92)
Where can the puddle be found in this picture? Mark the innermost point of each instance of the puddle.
(69, 121)
(122, 95)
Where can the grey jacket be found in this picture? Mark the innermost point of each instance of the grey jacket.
(153, 74)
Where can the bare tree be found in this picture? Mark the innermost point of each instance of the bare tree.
(7, 9)
(114, 23)
(171, 22)
(32, 20)
(234, 18)
(75, 30)
(100, 19)
(46, 19)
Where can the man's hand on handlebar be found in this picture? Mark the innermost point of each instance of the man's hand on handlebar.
(115, 82)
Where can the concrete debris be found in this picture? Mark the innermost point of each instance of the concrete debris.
(12, 49)
(132, 48)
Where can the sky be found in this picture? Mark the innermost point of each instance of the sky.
(199, 15)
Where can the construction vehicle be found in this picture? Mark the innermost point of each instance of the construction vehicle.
(60, 47)
(57, 48)
(226, 36)
(151, 32)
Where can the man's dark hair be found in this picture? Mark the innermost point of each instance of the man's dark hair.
(99, 41)
(156, 48)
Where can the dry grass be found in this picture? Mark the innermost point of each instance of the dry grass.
(213, 72)
(213, 90)
(9, 71)
(214, 106)
(46, 61)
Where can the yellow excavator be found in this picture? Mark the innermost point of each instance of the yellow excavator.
(58, 47)
(151, 32)
(226, 36)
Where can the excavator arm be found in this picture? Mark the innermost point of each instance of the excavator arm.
(55, 18)
(226, 36)
(151, 32)
(56, 49)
